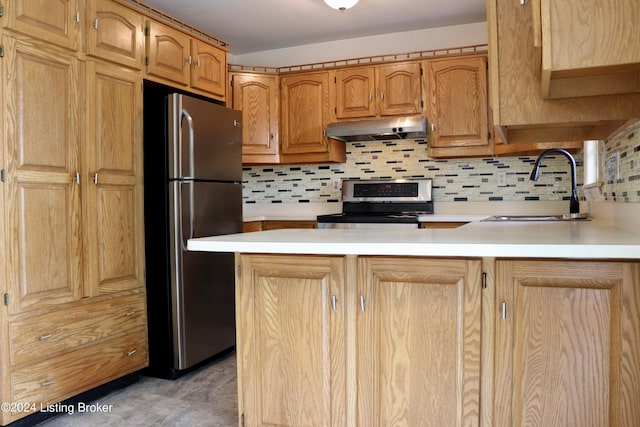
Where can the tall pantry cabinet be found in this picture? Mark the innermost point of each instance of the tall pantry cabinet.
(74, 314)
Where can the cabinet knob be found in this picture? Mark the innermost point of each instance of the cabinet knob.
(131, 353)
(47, 383)
(45, 337)
(95, 178)
(95, 23)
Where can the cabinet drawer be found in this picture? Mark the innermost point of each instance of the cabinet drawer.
(39, 337)
(72, 373)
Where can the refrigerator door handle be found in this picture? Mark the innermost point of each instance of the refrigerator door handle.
(187, 116)
(191, 214)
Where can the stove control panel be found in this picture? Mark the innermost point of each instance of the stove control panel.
(399, 190)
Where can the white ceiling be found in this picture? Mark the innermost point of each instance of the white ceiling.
(258, 25)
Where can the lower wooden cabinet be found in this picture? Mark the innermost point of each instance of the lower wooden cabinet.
(59, 378)
(251, 226)
(347, 341)
(567, 347)
(56, 354)
(417, 344)
(291, 341)
(414, 341)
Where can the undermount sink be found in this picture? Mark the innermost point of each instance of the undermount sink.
(514, 218)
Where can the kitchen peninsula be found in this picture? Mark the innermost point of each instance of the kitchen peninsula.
(487, 324)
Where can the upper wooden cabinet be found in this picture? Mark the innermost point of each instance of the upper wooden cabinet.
(304, 99)
(256, 95)
(175, 57)
(520, 112)
(587, 48)
(567, 348)
(56, 22)
(384, 90)
(457, 107)
(208, 68)
(168, 51)
(114, 32)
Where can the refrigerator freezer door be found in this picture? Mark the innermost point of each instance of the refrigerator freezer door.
(206, 140)
(203, 283)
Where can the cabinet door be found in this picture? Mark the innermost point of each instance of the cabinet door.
(399, 89)
(567, 347)
(305, 113)
(42, 130)
(54, 21)
(355, 92)
(257, 97)
(457, 103)
(168, 52)
(418, 342)
(588, 48)
(114, 32)
(113, 187)
(291, 340)
(515, 90)
(209, 68)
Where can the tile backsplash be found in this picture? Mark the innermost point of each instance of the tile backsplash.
(453, 179)
(621, 183)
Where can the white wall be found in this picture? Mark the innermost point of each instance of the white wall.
(409, 41)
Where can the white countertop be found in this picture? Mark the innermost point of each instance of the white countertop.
(569, 239)
(444, 211)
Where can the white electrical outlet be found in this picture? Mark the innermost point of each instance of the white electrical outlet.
(502, 179)
(336, 184)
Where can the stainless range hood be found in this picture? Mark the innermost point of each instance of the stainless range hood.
(379, 129)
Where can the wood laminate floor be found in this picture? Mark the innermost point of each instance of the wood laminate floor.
(205, 397)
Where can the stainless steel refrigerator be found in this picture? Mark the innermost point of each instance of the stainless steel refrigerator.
(193, 188)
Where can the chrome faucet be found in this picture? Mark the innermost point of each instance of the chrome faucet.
(574, 204)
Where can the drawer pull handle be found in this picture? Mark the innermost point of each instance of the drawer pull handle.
(130, 313)
(45, 337)
(47, 383)
(131, 353)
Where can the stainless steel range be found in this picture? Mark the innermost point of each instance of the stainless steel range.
(393, 203)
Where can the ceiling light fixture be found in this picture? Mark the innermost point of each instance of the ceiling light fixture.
(341, 5)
